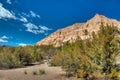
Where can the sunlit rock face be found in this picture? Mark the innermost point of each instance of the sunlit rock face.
(71, 33)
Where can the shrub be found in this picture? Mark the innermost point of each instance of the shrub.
(42, 72)
(9, 60)
(113, 74)
(34, 73)
(25, 72)
(97, 53)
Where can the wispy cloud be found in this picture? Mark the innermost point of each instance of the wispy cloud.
(36, 29)
(33, 14)
(44, 28)
(3, 41)
(25, 14)
(31, 28)
(5, 37)
(9, 1)
(23, 19)
(4, 13)
(22, 44)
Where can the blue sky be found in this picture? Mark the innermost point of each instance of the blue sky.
(28, 21)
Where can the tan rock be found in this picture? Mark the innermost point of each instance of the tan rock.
(71, 33)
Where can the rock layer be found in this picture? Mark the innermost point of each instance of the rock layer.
(71, 33)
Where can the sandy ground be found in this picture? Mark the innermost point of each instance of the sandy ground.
(52, 73)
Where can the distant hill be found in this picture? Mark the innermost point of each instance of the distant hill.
(71, 33)
(5, 46)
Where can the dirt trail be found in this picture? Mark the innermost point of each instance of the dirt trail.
(52, 73)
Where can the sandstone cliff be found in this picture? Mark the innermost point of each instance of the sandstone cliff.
(71, 33)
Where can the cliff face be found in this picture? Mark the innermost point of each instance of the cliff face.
(71, 33)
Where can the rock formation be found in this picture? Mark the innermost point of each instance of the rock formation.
(71, 33)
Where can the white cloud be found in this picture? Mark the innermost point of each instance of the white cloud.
(44, 28)
(23, 19)
(31, 28)
(9, 1)
(36, 29)
(4, 13)
(31, 14)
(2, 40)
(34, 14)
(5, 37)
(25, 14)
(22, 44)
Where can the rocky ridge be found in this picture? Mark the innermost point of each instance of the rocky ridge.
(71, 33)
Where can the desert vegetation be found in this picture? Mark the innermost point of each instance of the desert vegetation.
(13, 57)
(90, 58)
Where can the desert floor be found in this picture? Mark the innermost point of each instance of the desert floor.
(51, 73)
